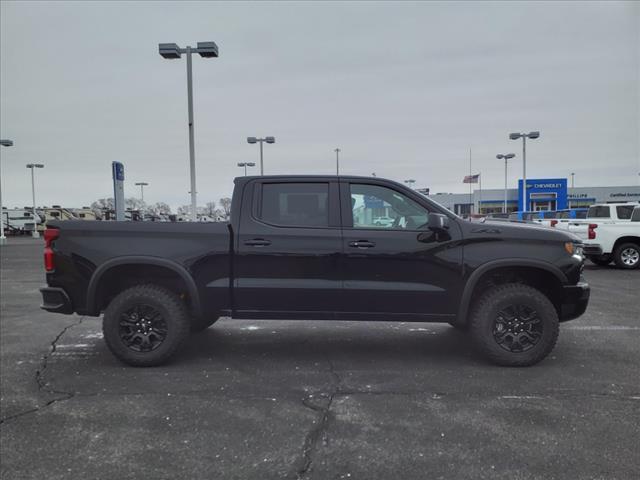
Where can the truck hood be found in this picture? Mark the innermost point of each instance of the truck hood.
(529, 231)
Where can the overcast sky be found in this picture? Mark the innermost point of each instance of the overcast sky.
(404, 89)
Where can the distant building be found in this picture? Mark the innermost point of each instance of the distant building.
(542, 194)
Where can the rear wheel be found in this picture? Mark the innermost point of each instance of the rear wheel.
(602, 260)
(627, 255)
(145, 325)
(514, 325)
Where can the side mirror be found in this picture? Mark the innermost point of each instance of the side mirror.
(438, 222)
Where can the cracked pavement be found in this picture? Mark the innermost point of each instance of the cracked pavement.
(315, 400)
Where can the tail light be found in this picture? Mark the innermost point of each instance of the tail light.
(554, 223)
(592, 231)
(50, 234)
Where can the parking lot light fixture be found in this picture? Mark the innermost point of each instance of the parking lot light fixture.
(245, 165)
(506, 156)
(261, 141)
(3, 239)
(173, 51)
(33, 166)
(141, 185)
(337, 150)
(524, 136)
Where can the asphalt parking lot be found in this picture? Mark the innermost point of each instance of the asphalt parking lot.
(318, 400)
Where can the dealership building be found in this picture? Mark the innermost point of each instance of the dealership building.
(542, 194)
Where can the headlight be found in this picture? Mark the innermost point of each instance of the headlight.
(573, 249)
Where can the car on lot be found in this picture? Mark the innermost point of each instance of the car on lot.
(610, 241)
(306, 247)
(383, 221)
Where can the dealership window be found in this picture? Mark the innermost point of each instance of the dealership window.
(374, 206)
(295, 204)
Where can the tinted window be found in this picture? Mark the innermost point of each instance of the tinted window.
(624, 211)
(549, 215)
(563, 215)
(295, 204)
(381, 207)
(581, 214)
(601, 211)
(635, 216)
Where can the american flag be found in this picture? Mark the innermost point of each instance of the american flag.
(471, 178)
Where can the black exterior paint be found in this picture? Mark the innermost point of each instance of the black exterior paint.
(248, 268)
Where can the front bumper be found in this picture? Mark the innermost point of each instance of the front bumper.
(56, 300)
(575, 300)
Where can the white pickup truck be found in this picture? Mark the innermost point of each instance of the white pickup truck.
(611, 232)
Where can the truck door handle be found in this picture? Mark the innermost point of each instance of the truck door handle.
(257, 242)
(362, 244)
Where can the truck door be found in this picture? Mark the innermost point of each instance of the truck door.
(288, 249)
(399, 267)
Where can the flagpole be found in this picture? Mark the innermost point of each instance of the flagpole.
(480, 200)
(470, 184)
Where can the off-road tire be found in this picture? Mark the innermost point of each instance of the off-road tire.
(622, 251)
(198, 325)
(602, 260)
(483, 324)
(172, 311)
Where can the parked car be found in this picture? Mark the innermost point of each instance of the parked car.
(619, 242)
(292, 250)
(383, 221)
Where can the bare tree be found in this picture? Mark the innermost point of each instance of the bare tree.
(184, 210)
(159, 208)
(211, 208)
(103, 204)
(225, 203)
(135, 204)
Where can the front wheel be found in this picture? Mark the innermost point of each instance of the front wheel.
(627, 255)
(145, 325)
(514, 325)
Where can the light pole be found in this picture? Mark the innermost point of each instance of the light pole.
(141, 185)
(171, 51)
(337, 150)
(524, 136)
(261, 141)
(410, 182)
(3, 239)
(245, 165)
(506, 157)
(33, 166)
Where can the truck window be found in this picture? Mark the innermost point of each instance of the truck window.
(624, 211)
(374, 206)
(600, 211)
(635, 216)
(295, 204)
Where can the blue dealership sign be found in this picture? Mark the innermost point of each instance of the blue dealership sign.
(373, 202)
(545, 191)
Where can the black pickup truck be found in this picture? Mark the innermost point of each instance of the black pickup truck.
(318, 247)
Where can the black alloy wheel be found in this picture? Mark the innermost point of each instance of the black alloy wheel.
(142, 328)
(517, 328)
